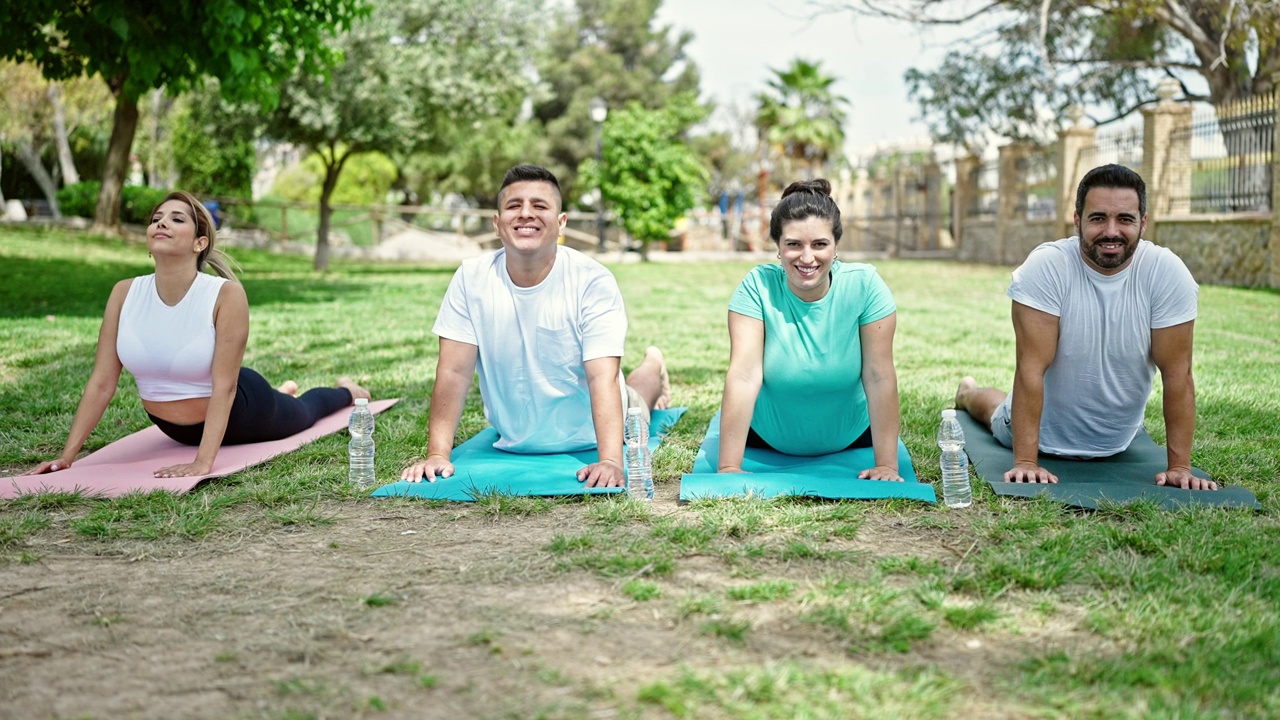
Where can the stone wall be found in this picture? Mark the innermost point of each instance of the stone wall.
(980, 241)
(1023, 237)
(1221, 249)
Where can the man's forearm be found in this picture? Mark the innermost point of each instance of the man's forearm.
(1180, 420)
(1025, 412)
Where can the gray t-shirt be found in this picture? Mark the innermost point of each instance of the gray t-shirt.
(1096, 388)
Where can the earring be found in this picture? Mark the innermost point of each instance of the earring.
(835, 256)
(779, 256)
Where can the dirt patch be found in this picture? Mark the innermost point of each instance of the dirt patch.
(403, 609)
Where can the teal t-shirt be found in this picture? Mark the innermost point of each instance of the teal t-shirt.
(812, 401)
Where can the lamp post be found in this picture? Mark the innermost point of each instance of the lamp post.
(599, 111)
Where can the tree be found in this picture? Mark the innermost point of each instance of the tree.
(649, 178)
(801, 118)
(252, 46)
(1031, 61)
(25, 121)
(610, 49)
(413, 70)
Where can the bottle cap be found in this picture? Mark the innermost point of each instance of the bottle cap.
(633, 411)
(948, 414)
(361, 402)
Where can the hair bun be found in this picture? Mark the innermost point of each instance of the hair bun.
(817, 186)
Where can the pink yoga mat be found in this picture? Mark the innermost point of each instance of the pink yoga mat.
(126, 465)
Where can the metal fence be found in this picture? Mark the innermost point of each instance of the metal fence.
(1231, 148)
(1040, 201)
(1122, 146)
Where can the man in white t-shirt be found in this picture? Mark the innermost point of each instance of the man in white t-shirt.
(544, 326)
(1094, 316)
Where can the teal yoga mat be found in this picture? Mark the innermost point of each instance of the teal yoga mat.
(773, 474)
(1126, 477)
(479, 469)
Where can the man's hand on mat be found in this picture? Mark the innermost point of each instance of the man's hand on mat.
(184, 470)
(606, 473)
(431, 468)
(49, 466)
(1180, 477)
(880, 472)
(1029, 473)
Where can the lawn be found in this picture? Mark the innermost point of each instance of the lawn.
(282, 593)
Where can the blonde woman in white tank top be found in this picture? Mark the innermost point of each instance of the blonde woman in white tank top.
(225, 404)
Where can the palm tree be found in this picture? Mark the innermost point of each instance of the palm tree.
(800, 117)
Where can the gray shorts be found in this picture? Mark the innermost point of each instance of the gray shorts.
(1002, 423)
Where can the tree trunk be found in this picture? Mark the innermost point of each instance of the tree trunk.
(332, 167)
(70, 176)
(30, 158)
(106, 218)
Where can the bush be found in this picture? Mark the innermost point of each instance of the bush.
(80, 199)
(137, 202)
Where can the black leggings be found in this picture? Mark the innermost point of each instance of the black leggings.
(754, 440)
(261, 413)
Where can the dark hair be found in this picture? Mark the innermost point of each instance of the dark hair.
(1112, 176)
(802, 200)
(530, 173)
(221, 263)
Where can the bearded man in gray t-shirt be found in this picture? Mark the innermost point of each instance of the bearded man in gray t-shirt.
(1094, 316)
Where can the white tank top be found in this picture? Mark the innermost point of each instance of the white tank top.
(169, 350)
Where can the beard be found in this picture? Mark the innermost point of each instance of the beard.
(1109, 262)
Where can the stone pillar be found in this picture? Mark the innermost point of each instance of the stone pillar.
(1011, 196)
(1274, 242)
(1166, 156)
(964, 202)
(932, 237)
(1071, 145)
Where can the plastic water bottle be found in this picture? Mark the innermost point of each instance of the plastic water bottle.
(360, 449)
(638, 460)
(956, 492)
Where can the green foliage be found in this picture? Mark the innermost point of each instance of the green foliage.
(801, 117)
(613, 49)
(411, 69)
(366, 178)
(1029, 64)
(650, 178)
(214, 144)
(137, 202)
(80, 199)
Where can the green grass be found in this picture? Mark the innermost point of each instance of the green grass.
(1162, 614)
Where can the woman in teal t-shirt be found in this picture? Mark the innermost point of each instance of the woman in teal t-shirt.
(811, 346)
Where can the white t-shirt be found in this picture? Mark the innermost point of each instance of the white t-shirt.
(533, 343)
(1096, 388)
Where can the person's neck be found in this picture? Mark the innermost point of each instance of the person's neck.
(528, 270)
(173, 280)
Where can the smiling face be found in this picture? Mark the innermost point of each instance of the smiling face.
(1109, 228)
(173, 231)
(807, 251)
(529, 220)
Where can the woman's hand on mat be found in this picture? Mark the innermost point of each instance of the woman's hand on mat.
(185, 470)
(880, 472)
(1029, 473)
(435, 466)
(1180, 477)
(606, 473)
(730, 469)
(49, 466)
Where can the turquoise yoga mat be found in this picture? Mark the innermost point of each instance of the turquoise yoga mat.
(479, 469)
(773, 474)
(1126, 477)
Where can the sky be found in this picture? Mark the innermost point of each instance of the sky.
(737, 42)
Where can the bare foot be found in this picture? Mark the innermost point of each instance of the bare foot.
(664, 398)
(965, 392)
(289, 387)
(357, 392)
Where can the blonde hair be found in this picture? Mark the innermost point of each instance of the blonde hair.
(210, 256)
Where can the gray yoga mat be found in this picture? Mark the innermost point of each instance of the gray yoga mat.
(1125, 477)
